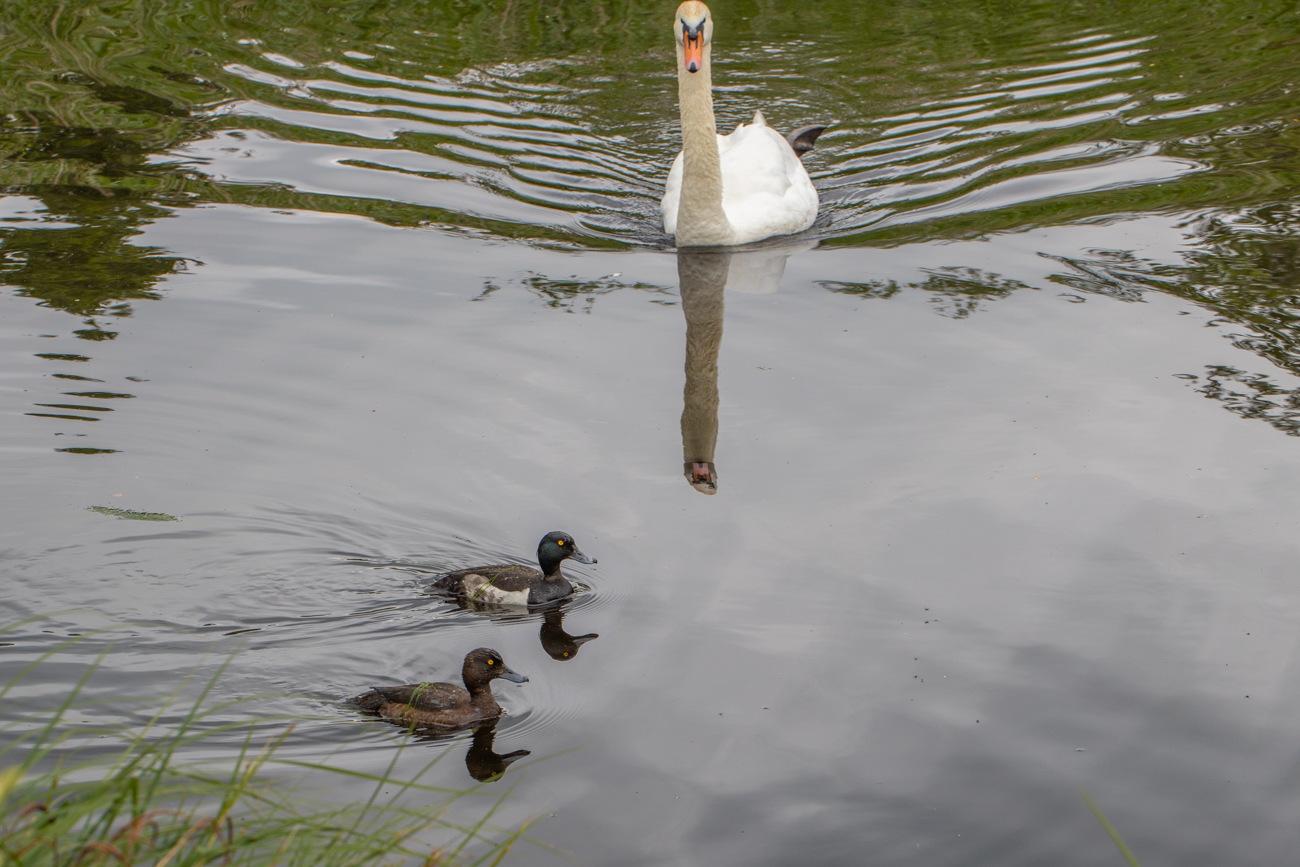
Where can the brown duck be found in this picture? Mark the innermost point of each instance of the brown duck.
(444, 704)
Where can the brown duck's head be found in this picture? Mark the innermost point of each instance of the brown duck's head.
(485, 665)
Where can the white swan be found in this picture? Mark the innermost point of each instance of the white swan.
(734, 189)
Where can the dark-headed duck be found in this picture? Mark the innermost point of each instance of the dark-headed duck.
(445, 704)
(519, 585)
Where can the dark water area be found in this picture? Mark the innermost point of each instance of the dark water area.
(1004, 451)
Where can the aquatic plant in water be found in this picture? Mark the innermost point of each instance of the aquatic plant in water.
(62, 805)
(131, 514)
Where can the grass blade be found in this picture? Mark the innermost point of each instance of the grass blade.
(1110, 829)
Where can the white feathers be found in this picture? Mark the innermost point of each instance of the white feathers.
(765, 189)
(480, 588)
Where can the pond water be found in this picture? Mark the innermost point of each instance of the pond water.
(1005, 447)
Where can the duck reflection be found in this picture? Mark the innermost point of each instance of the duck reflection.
(558, 644)
(482, 761)
(703, 276)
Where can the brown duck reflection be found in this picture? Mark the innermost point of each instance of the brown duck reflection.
(703, 277)
(482, 761)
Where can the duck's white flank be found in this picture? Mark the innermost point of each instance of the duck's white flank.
(480, 588)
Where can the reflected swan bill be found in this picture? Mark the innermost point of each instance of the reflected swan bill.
(703, 276)
(482, 761)
(558, 644)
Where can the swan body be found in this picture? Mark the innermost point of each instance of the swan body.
(765, 189)
(735, 189)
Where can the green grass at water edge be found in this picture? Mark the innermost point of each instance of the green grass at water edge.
(146, 806)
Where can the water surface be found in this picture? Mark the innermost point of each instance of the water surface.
(1002, 453)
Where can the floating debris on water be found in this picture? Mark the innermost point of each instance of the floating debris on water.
(131, 514)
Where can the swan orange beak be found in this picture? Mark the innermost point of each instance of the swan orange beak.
(694, 50)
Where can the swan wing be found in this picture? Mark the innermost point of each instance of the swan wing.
(765, 189)
(673, 195)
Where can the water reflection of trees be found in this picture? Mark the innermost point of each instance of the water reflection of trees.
(88, 269)
(568, 294)
(96, 96)
(954, 292)
(1247, 270)
(97, 190)
(1244, 268)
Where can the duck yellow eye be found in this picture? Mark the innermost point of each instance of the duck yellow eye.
(560, 542)
(492, 662)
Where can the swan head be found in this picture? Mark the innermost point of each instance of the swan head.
(693, 29)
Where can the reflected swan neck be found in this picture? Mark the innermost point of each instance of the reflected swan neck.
(702, 277)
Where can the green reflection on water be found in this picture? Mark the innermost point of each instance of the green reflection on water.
(95, 88)
(949, 120)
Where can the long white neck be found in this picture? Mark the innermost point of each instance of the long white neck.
(701, 221)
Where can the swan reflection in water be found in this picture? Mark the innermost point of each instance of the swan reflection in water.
(703, 277)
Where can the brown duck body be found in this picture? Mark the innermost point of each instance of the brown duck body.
(421, 705)
(431, 704)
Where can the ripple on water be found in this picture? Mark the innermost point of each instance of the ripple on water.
(542, 145)
(928, 109)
